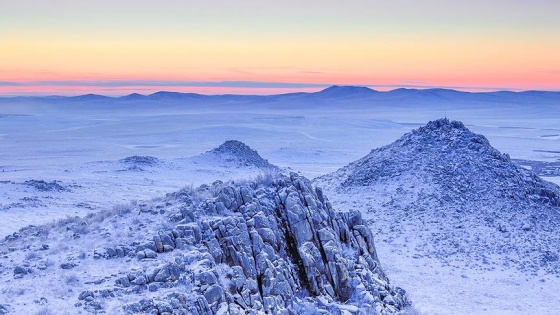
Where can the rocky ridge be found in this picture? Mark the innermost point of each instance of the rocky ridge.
(274, 246)
(467, 203)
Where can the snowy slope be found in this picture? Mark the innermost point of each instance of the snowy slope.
(35, 195)
(442, 195)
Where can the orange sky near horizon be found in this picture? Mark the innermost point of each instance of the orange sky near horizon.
(108, 50)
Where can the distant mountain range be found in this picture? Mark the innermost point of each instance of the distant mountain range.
(334, 91)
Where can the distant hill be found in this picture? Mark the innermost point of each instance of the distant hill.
(163, 95)
(346, 91)
(238, 153)
(90, 97)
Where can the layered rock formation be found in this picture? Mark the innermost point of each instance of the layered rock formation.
(279, 250)
(275, 246)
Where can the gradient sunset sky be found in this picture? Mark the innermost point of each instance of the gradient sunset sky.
(263, 47)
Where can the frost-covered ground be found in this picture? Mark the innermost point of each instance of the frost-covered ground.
(77, 148)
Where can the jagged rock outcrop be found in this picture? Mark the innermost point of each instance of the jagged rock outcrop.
(461, 199)
(273, 250)
(239, 153)
(272, 246)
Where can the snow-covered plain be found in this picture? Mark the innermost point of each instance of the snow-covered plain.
(81, 142)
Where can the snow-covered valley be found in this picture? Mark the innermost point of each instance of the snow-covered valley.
(62, 158)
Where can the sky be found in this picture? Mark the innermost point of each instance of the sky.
(118, 47)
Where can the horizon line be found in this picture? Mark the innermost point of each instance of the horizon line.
(130, 87)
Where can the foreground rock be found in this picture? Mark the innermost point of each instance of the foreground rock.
(270, 247)
(277, 250)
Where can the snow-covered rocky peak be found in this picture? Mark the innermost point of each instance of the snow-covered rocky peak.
(444, 178)
(452, 157)
(445, 134)
(237, 152)
(443, 126)
(273, 246)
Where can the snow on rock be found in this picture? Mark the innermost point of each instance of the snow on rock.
(44, 186)
(240, 154)
(272, 246)
(445, 192)
(137, 163)
(140, 160)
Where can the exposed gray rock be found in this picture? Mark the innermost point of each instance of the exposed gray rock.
(68, 265)
(84, 294)
(42, 185)
(167, 272)
(20, 271)
(208, 278)
(153, 287)
(213, 294)
(117, 252)
(94, 306)
(146, 253)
